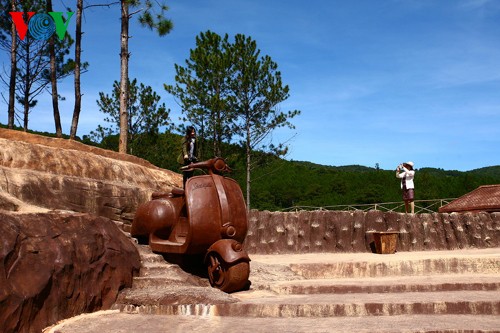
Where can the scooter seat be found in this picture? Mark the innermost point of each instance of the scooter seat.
(159, 195)
(177, 192)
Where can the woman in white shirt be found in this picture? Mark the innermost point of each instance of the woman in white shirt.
(406, 173)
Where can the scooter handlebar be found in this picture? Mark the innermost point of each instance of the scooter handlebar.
(216, 164)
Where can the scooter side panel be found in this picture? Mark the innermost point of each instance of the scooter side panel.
(204, 213)
(237, 217)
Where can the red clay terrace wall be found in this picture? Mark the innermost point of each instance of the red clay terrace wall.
(349, 231)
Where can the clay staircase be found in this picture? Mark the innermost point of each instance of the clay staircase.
(164, 288)
(445, 291)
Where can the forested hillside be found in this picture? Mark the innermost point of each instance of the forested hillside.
(279, 184)
(303, 184)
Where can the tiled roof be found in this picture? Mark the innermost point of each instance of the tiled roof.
(484, 198)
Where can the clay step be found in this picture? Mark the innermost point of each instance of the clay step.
(386, 284)
(397, 267)
(114, 322)
(151, 258)
(151, 282)
(160, 269)
(362, 304)
(160, 300)
(267, 305)
(337, 265)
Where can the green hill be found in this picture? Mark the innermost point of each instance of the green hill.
(279, 184)
(283, 184)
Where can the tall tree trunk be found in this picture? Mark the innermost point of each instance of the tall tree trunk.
(78, 51)
(13, 72)
(122, 148)
(201, 142)
(248, 164)
(214, 134)
(219, 134)
(53, 80)
(27, 88)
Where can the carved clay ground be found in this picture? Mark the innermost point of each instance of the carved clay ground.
(445, 291)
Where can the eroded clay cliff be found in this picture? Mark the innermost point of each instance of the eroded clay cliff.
(63, 209)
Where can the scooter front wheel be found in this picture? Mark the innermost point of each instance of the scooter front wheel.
(227, 277)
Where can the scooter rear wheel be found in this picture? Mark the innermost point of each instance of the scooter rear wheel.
(227, 277)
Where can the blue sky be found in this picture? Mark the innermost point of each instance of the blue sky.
(381, 81)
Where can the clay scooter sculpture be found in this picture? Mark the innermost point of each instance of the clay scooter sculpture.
(208, 217)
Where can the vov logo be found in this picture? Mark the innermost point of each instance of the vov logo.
(41, 26)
